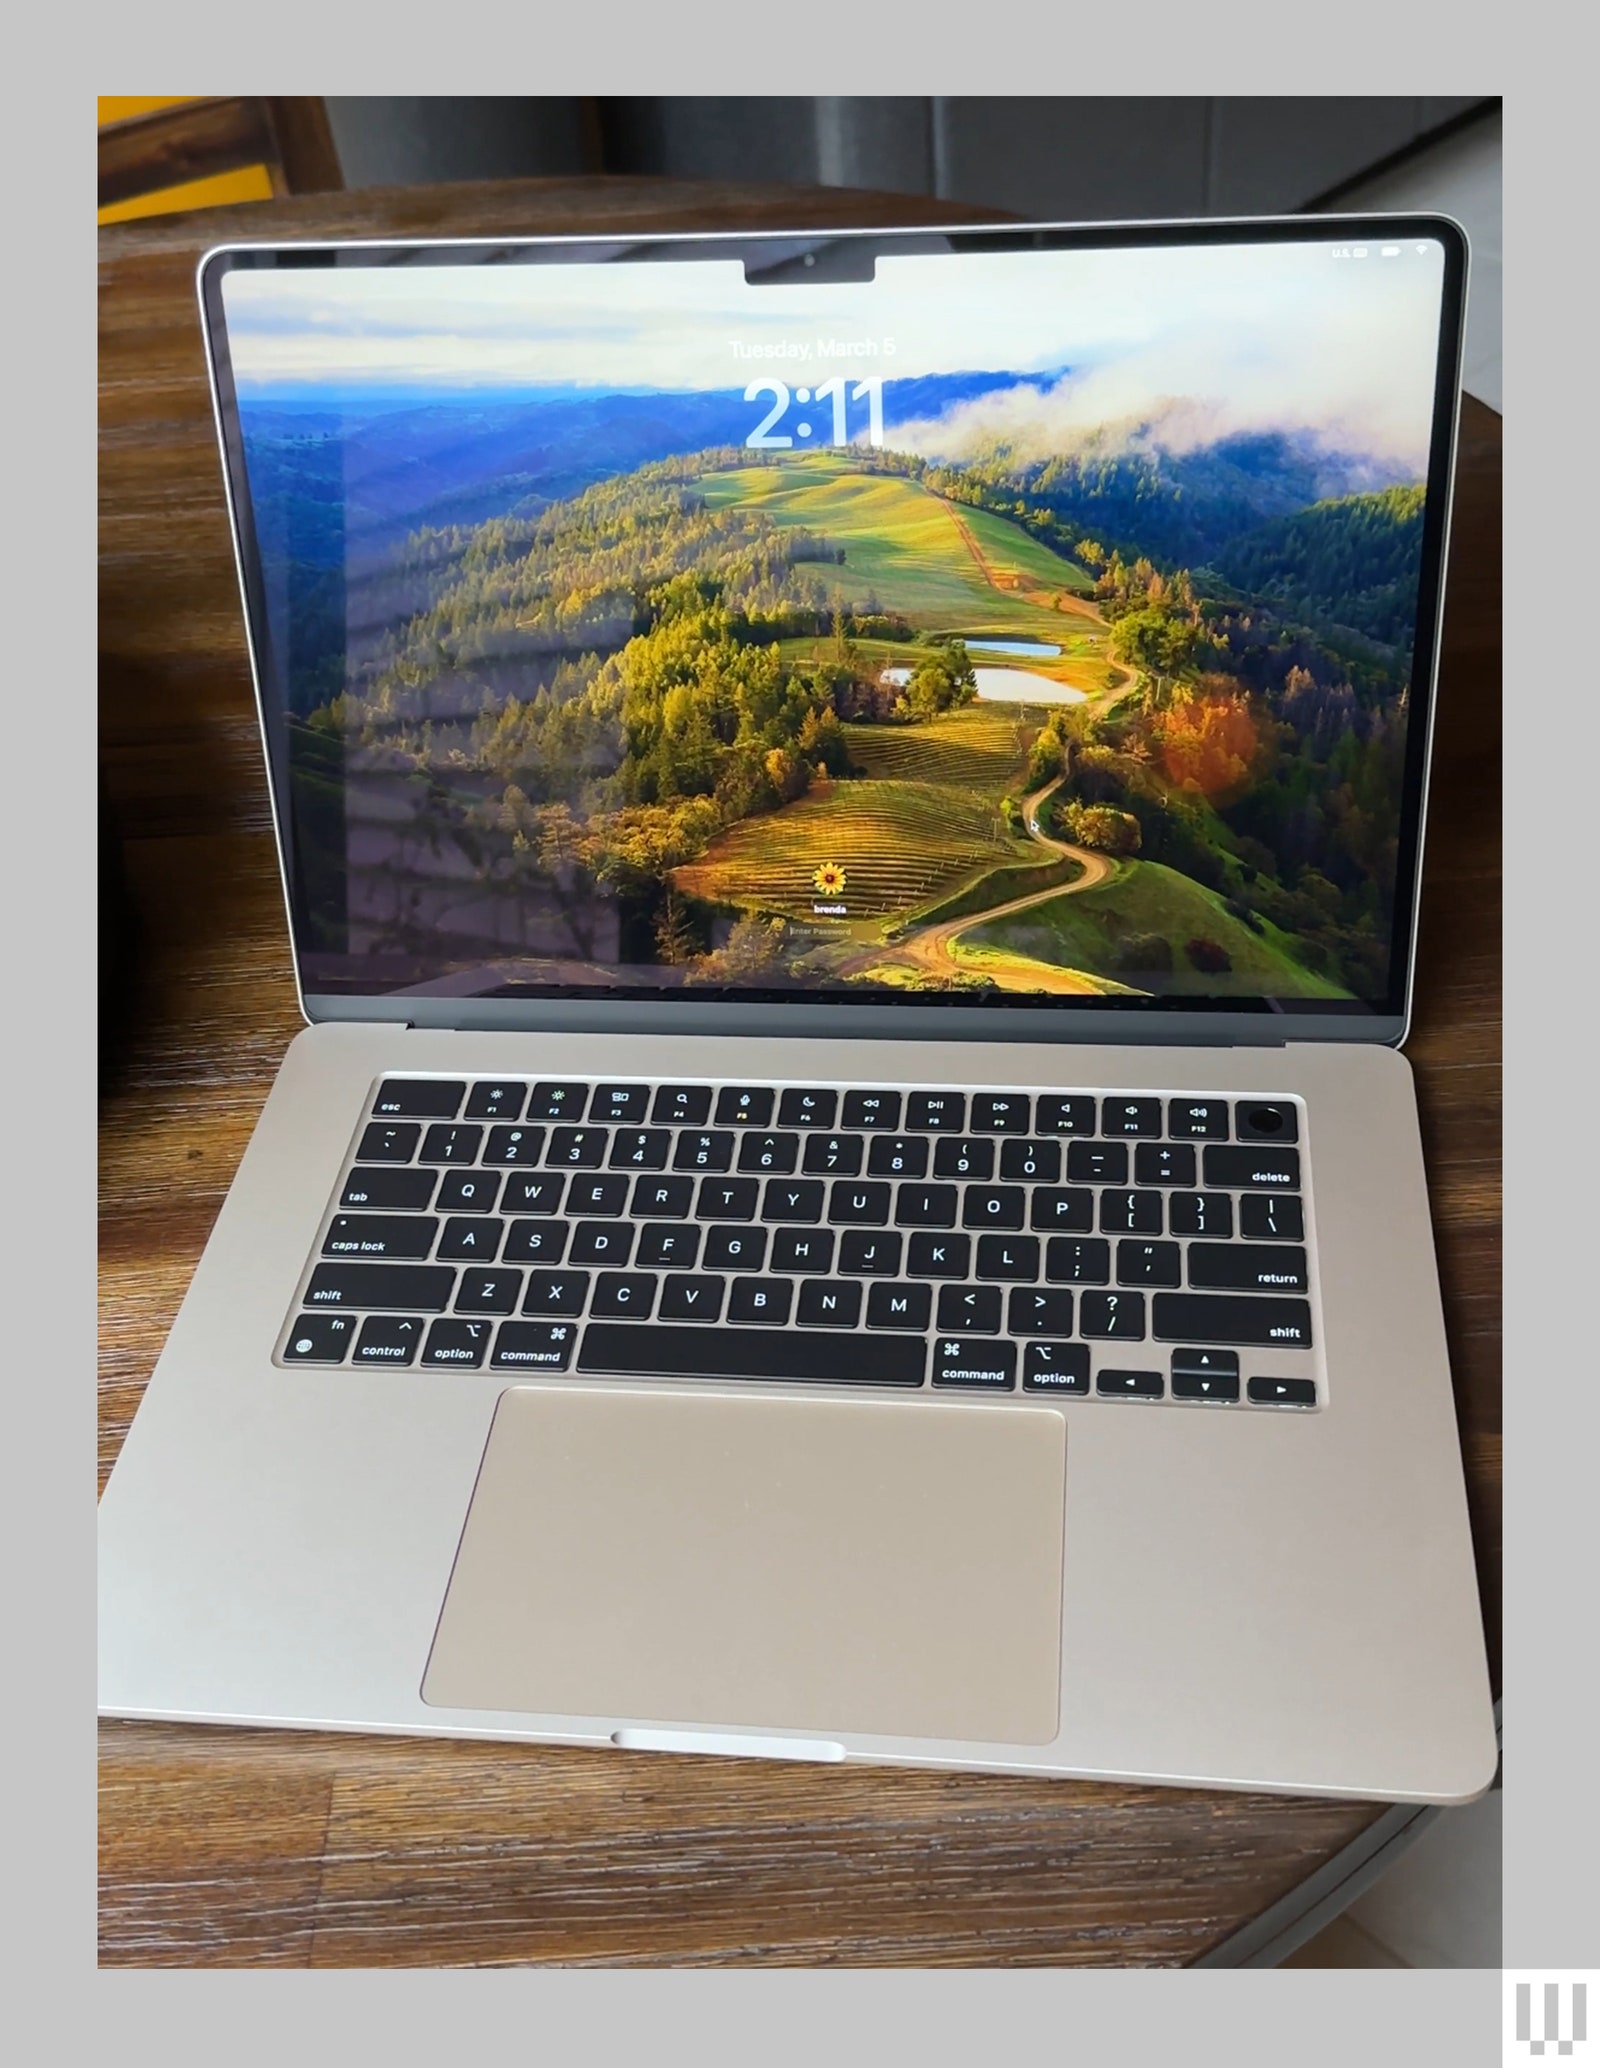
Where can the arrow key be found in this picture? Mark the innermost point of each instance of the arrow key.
(1202, 1374)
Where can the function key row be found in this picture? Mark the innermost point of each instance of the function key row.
(759, 1106)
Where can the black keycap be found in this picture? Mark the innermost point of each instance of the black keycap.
(640, 1148)
(1001, 1112)
(1072, 1114)
(743, 1105)
(686, 1298)
(829, 1303)
(390, 1189)
(526, 1194)
(468, 1241)
(1014, 1257)
(1200, 1213)
(1117, 1314)
(601, 1198)
(1163, 1163)
(557, 1102)
(1149, 1263)
(735, 1249)
(582, 1148)
(1232, 1318)
(1197, 1119)
(1064, 1213)
(1069, 1260)
(488, 1292)
(1265, 1217)
(870, 1252)
(1039, 1310)
(703, 1152)
(513, 1145)
(972, 1308)
(784, 1355)
(727, 1199)
(994, 1206)
(765, 1301)
(1097, 1163)
(1130, 1385)
(1267, 1392)
(802, 1250)
(792, 1199)
(663, 1243)
(320, 1339)
(420, 1098)
(807, 1108)
(926, 1206)
(860, 1202)
(945, 1111)
(1130, 1116)
(1191, 1386)
(464, 1343)
(534, 1346)
(1039, 1163)
(1252, 1167)
(769, 1152)
(1199, 1374)
(388, 1141)
(422, 1288)
(407, 1237)
(662, 1199)
(555, 1292)
(899, 1306)
(468, 1191)
(681, 1105)
(1247, 1267)
(958, 1361)
(602, 1242)
(1055, 1368)
(833, 1155)
(619, 1105)
(494, 1099)
(898, 1156)
(458, 1144)
(1266, 1120)
(536, 1242)
(870, 1109)
(1206, 1361)
(1130, 1213)
(961, 1157)
(939, 1256)
(624, 1295)
(388, 1339)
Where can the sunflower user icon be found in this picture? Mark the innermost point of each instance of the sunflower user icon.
(829, 879)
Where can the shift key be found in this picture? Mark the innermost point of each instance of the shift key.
(411, 1288)
(1231, 1318)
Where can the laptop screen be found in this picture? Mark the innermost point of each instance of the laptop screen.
(1045, 625)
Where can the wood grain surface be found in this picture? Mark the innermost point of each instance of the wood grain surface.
(261, 1848)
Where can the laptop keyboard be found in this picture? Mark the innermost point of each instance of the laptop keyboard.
(1138, 1247)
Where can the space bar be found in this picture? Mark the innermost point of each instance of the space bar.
(827, 1358)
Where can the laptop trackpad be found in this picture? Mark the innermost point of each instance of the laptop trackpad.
(886, 1568)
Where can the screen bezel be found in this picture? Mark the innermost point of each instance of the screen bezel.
(843, 254)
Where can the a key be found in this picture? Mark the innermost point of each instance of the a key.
(1001, 1112)
(899, 1306)
(1247, 1267)
(1149, 1263)
(468, 1191)
(662, 1199)
(1197, 1119)
(703, 1152)
(833, 1155)
(1039, 1310)
(807, 1108)
(735, 1249)
(939, 1256)
(1200, 1213)
(495, 1099)
(602, 1242)
(1251, 1167)
(792, 1199)
(526, 1194)
(691, 1298)
(1074, 1260)
(599, 1198)
(1205, 1375)
(1264, 1217)
(727, 1199)
(743, 1106)
(555, 1292)
(970, 1309)
(619, 1105)
(388, 1339)
(557, 1102)
(987, 1367)
(1266, 1120)
(1116, 1314)
(421, 1288)
(1266, 1392)
(860, 1202)
(1055, 1368)
(1097, 1163)
(898, 1156)
(1035, 1162)
(488, 1292)
(870, 1252)
(405, 1237)
(778, 1354)
(926, 1206)
(469, 1241)
(1054, 1212)
(455, 1144)
(763, 1301)
(536, 1242)
(1163, 1163)
(669, 1244)
(959, 1156)
(829, 1303)
(941, 1111)
(640, 1148)
(389, 1141)
(994, 1206)
(1130, 1116)
(1130, 1213)
(463, 1343)
(1071, 1114)
(320, 1339)
(1232, 1318)
(389, 1189)
(802, 1250)
(534, 1346)
(513, 1145)
(769, 1152)
(580, 1148)
(1013, 1257)
(870, 1109)
(681, 1105)
(419, 1098)
(624, 1295)
(1130, 1385)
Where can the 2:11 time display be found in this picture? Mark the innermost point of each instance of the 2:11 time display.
(868, 391)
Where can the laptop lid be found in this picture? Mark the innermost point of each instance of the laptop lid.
(1020, 633)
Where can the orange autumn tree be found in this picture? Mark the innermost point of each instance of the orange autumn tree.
(1209, 742)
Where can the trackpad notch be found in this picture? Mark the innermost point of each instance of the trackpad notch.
(884, 1568)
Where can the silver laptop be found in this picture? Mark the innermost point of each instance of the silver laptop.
(850, 809)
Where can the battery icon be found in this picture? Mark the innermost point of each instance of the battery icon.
(1391, 251)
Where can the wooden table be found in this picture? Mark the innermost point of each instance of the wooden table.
(291, 1849)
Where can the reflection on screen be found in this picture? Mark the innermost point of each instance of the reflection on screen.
(1012, 625)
